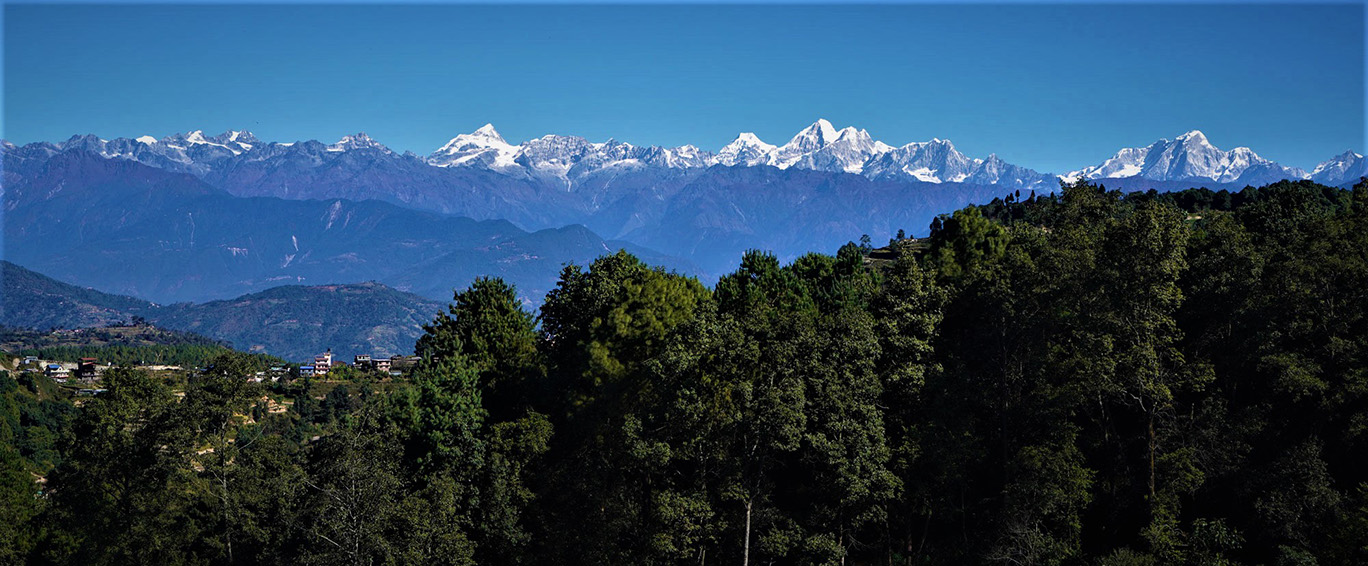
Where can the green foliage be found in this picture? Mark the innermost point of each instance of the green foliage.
(966, 240)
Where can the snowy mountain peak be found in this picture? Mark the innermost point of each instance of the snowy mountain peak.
(747, 149)
(240, 136)
(360, 137)
(749, 138)
(810, 139)
(175, 146)
(1189, 157)
(822, 147)
(940, 142)
(1194, 135)
(851, 135)
(1345, 168)
(357, 141)
(487, 131)
(819, 133)
(483, 146)
(236, 140)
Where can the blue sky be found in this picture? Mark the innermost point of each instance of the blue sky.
(1052, 87)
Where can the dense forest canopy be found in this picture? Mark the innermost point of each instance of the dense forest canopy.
(1085, 378)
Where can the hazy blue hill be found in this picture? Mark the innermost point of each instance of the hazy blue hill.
(727, 210)
(706, 215)
(293, 322)
(307, 170)
(524, 261)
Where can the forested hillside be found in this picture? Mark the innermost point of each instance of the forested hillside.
(1088, 378)
(31, 300)
(133, 344)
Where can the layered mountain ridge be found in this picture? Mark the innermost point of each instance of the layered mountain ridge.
(131, 229)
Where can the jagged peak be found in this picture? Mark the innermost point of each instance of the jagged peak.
(1194, 135)
(358, 140)
(242, 138)
(820, 131)
(747, 142)
(488, 132)
(748, 138)
(358, 137)
(933, 141)
(850, 133)
(84, 138)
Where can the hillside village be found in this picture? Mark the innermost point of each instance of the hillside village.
(84, 374)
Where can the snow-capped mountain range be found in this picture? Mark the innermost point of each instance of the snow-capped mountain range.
(1346, 167)
(1190, 157)
(819, 147)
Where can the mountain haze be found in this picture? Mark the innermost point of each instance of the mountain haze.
(168, 237)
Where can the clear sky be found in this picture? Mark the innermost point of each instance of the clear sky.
(1051, 87)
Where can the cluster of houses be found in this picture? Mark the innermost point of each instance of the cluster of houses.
(323, 363)
(88, 369)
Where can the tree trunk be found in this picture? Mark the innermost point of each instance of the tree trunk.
(227, 524)
(921, 545)
(1153, 447)
(745, 555)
